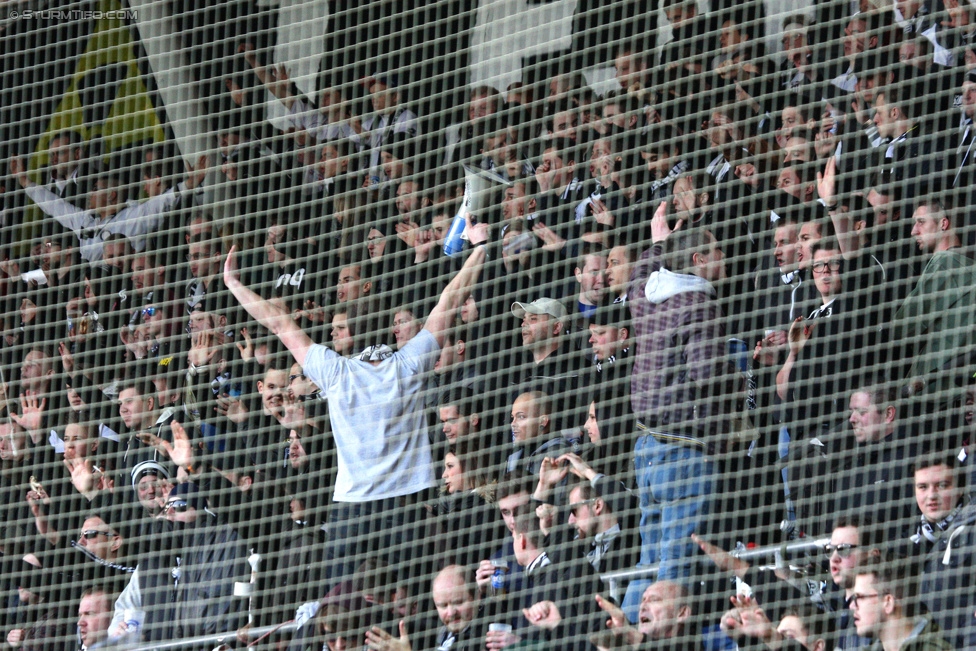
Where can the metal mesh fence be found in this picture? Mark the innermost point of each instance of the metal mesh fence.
(483, 325)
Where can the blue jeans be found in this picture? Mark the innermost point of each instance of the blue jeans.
(675, 484)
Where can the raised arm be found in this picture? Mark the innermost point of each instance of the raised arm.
(650, 259)
(277, 320)
(51, 204)
(454, 295)
(276, 81)
(848, 236)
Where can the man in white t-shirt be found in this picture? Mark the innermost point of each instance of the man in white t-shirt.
(376, 407)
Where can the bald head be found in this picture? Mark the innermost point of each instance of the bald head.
(455, 597)
(450, 576)
(530, 415)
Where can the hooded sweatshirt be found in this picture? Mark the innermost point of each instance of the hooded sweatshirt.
(680, 349)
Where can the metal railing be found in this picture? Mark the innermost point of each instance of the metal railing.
(769, 551)
(215, 640)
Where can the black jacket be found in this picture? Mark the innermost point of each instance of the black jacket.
(187, 587)
(948, 586)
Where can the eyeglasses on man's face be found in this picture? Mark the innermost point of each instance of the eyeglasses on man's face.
(857, 598)
(821, 266)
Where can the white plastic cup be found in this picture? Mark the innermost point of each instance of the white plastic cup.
(133, 619)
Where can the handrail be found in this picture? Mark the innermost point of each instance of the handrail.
(787, 549)
(206, 640)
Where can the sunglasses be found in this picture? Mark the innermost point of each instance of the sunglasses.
(179, 506)
(844, 551)
(91, 534)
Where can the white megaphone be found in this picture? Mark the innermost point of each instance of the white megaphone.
(479, 188)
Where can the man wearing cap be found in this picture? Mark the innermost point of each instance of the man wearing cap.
(376, 408)
(151, 483)
(550, 364)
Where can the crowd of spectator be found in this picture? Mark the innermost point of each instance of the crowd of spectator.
(728, 303)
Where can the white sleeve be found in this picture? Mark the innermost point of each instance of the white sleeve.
(130, 599)
(452, 137)
(421, 352)
(940, 55)
(303, 115)
(143, 218)
(54, 206)
(320, 367)
(407, 123)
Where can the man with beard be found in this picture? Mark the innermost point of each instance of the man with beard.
(607, 545)
(186, 589)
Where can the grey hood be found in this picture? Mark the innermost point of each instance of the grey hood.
(662, 285)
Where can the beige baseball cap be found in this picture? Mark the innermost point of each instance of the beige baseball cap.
(549, 306)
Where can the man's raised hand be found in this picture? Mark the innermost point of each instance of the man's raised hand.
(379, 640)
(196, 173)
(660, 230)
(182, 452)
(232, 276)
(19, 170)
